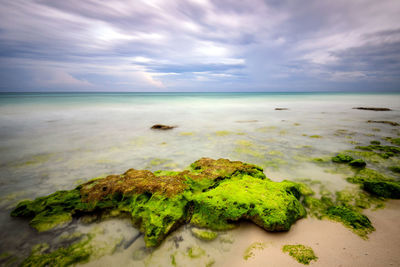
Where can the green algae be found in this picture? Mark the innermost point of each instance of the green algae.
(395, 141)
(303, 254)
(195, 252)
(271, 205)
(359, 223)
(249, 252)
(186, 134)
(357, 163)
(203, 234)
(376, 183)
(315, 136)
(345, 158)
(395, 169)
(78, 252)
(342, 158)
(387, 150)
(247, 148)
(222, 133)
(345, 206)
(212, 193)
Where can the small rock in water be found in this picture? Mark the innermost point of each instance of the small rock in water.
(386, 122)
(281, 109)
(373, 108)
(162, 127)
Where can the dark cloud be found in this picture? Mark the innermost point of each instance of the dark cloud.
(174, 45)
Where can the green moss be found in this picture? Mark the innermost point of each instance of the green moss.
(387, 149)
(249, 252)
(203, 234)
(345, 208)
(376, 183)
(358, 222)
(271, 205)
(222, 133)
(357, 163)
(375, 142)
(195, 252)
(78, 252)
(173, 260)
(395, 141)
(395, 169)
(342, 158)
(186, 133)
(248, 148)
(315, 136)
(301, 253)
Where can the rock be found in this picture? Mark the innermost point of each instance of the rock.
(212, 193)
(342, 158)
(377, 184)
(373, 108)
(162, 127)
(386, 122)
(281, 109)
(357, 163)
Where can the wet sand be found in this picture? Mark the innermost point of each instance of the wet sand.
(334, 244)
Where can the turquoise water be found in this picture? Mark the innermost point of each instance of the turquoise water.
(55, 141)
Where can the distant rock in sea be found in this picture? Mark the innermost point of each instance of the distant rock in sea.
(162, 127)
(373, 108)
(281, 109)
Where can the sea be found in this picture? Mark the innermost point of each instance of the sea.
(56, 141)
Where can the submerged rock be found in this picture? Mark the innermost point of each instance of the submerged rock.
(373, 108)
(212, 193)
(376, 183)
(385, 122)
(162, 127)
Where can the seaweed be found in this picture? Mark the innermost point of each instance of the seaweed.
(301, 253)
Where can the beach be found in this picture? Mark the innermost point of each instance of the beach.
(56, 141)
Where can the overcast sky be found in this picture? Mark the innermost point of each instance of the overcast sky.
(199, 45)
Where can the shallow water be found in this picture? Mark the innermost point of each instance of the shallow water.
(50, 142)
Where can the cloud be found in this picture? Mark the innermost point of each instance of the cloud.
(184, 45)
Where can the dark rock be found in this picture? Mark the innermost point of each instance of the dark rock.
(373, 108)
(162, 127)
(386, 122)
(281, 109)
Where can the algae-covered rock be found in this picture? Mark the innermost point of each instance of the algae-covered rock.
(271, 205)
(395, 169)
(376, 183)
(211, 193)
(357, 163)
(342, 158)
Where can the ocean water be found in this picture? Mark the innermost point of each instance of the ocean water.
(51, 142)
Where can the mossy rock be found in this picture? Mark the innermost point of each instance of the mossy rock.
(376, 183)
(342, 158)
(395, 169)
(357, 163)
(211, 193)
(271, 205)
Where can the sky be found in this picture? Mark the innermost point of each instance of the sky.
(199, 45)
